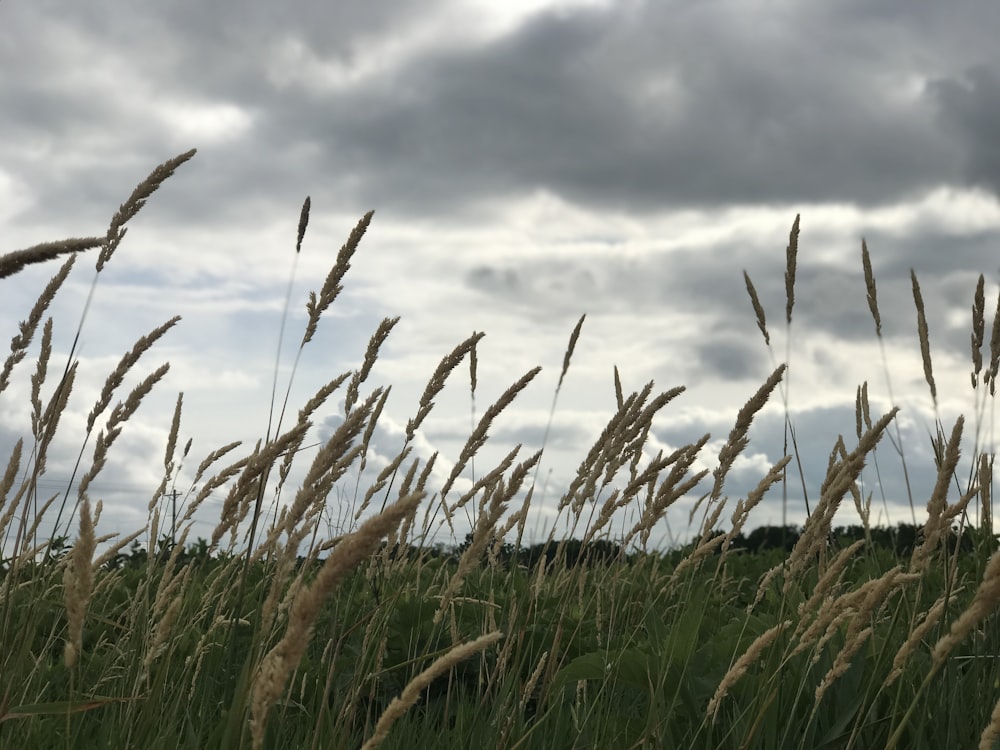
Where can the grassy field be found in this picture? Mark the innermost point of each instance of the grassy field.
(270, 635)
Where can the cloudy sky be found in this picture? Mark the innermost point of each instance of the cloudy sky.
(528, 162)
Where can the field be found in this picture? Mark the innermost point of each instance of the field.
(270, 635)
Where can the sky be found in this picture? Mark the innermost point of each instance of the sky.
(528, 163)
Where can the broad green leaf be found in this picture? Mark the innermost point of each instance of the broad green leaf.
(629, 666)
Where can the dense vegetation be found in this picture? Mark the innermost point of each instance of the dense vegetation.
(269, 635)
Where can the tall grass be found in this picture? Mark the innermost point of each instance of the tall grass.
(272, 634)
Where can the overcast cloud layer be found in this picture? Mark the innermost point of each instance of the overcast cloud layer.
(627, 160)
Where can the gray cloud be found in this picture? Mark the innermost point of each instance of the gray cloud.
(625, 160)
(728, 356)
(969, 106)
(641, 108)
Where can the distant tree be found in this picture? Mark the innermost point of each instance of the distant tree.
(773, 537)
(506, 554)
(137, 555)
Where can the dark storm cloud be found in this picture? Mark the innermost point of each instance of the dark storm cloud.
(653, 109)
(643, 107)
(728, 356)
(970, 109)
(89, 75)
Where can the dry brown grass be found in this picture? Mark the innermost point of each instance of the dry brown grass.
(836, 616)
(318, 304)
(128, 210)
(740, 667)
(78, 582)
(411, 692)
(924, 335)
(791, 263)
(13, 262)
(871, 291)
(279, 662)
